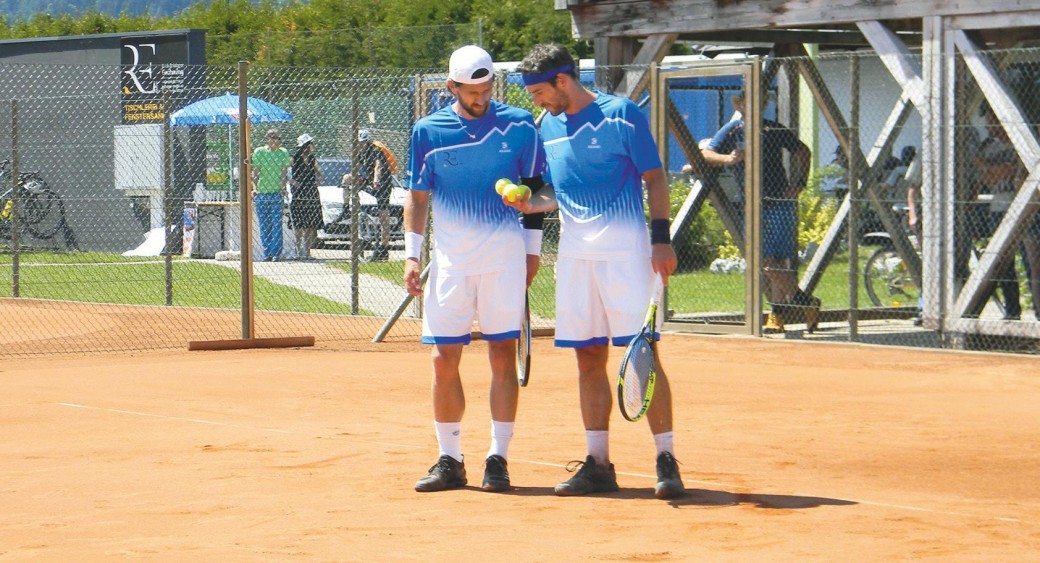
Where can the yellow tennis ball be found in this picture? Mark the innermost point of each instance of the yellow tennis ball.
(525, 192)
(500, 186)
(511, 192)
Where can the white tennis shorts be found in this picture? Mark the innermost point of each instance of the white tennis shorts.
(494, 299)
(601, 302)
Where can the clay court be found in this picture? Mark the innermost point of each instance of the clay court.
(790, 451)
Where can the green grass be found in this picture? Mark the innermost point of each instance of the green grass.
(108, 278)
(703, 291)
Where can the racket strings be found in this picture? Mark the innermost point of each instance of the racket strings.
(638, 370)
(523, 349)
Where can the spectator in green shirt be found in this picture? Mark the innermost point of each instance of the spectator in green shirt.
(270, 175)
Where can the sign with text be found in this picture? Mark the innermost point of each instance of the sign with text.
(151, 67)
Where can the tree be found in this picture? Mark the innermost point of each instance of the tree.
(326, 33)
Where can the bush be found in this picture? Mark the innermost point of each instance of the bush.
(703, 239)
(816, 212)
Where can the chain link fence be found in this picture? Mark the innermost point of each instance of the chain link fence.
(360, 47)
(126, 224)
(124, 230)
(856, 265)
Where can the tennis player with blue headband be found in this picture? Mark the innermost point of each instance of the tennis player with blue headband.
(600, 153)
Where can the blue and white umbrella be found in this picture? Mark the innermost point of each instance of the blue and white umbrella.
(223, 110)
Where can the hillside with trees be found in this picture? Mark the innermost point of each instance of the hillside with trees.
(23, 9)
(326, 33)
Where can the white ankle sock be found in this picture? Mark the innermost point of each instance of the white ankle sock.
(449, 438)
(663, 441)
(501, 434)
(598, 443)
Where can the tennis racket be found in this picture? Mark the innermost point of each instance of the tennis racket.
(523, 347)
(638, 373)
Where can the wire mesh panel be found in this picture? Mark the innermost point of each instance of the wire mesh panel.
(121, 207)
(134, 199)
(858, 268)
(869, 138)
(95, 213)
(995, 256)
(132, 202)
(707, 194)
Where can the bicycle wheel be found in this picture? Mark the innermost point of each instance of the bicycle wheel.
(6, 209)
(42, 212)
(888, 281)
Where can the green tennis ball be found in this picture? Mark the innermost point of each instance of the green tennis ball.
(501, 185)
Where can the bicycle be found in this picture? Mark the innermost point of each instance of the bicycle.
(40, 211)
(887, 279)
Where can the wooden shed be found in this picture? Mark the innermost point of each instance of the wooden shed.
(929, 47)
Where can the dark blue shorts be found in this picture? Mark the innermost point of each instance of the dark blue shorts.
(780, 229)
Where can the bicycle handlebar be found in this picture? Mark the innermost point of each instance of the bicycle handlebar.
(22, 176)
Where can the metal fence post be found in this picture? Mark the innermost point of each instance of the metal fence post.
(854, 194)
(168, 212)
(355, 205)
(15, 204)
(244, 196)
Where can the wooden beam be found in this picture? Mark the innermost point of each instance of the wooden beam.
(636, 77)
(611, 54)
(934, 191)
(888, 134)
(707, 185)
(1003, 20)
(822, 37)
(870, 168)
(1004, 242)
(249, 343)
(599, 18)
(903, 66)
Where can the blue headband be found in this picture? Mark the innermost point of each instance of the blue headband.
(532, 79)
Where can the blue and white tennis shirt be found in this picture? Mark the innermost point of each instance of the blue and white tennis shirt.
(458, 161)
(596, 159)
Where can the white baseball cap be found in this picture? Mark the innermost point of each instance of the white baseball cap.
(470, 65)
(303, 140)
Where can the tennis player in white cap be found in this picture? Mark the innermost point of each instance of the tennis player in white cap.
(483, 257)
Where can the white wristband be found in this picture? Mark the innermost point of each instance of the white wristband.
(533, 241)
(413, 243)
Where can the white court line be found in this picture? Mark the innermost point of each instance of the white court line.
(150, 415)
(557, 465)
(215, 423)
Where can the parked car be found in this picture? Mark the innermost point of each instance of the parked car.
(336, 214)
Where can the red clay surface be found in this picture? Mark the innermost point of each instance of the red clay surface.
(790, 451)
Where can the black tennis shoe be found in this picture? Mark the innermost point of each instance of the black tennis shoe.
(669, 484)
(496, 476)
(591, 478)
(445, 474)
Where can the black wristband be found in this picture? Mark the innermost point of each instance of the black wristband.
(660, 231)
(533, 221)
